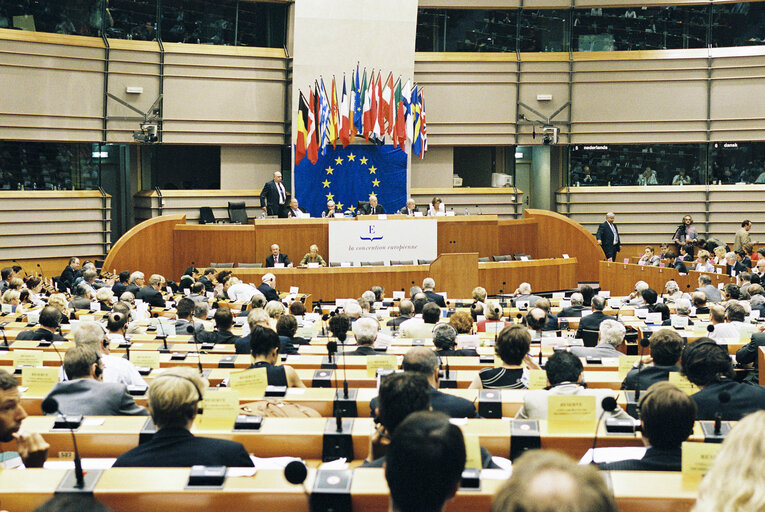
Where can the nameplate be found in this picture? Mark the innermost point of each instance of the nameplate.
(313, 264)
(87, 318)
(220, 409)
(27, 358)
(682, 382)
(472, 451)
(7, 309)
(537, 379)
(39, 380)
(251, 382)
(626, 363)
(698, 457)
(575, 414)
(147, 358)
(375, 363)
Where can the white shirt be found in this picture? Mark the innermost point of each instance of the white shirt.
(723, 331)
(241, 292)
(120, 370)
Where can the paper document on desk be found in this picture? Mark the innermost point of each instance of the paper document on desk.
(606, 455)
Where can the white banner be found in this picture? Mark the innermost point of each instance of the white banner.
(383, 240)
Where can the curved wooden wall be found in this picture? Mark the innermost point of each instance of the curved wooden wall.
(147, 247)
(557, 234)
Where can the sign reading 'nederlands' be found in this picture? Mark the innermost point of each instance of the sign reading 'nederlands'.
(383, 240)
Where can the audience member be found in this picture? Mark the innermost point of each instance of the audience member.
(512, 348)
(116, 369)
(611, 337)
(264, 344)
(31, 448)
(365, 331)
(445, 341)
(666, 346)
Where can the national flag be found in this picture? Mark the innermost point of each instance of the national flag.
(395, 109)
(386, 106)
(407, 93)
(334, 123)
(378, 129)
(400, 129)
(358, 113)
(345, 120)
(302, 133)
(324, 114)
(368, 121)
(312, 148)
(423, 128)
(416, 120)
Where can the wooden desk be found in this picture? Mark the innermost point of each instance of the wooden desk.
(620, 278)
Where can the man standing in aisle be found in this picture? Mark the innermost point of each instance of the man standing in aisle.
(273, 196)
(742, 235)
(608, 237)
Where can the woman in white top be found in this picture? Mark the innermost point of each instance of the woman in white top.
(436, 207)
(704, 265)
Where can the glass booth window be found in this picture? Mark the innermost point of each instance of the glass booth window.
(73, 17)
(49, 166)
(737, 162)
(198, 21)
(544, 30)
(457, 30)
(738, 24)
(132, 19)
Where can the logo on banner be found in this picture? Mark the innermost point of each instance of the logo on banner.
(371, 238)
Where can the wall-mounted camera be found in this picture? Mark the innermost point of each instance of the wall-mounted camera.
(550, 135)
(148, 133)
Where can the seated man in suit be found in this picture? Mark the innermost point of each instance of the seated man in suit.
(286, 328)
(564, 377)
(268, 287)
(365, 331)
(708, 365)
(184, 312)
(174, 398)
(68, 276)
(254, 317)
(277, 257)
(431, 313)
(50, 319)
(576, 307)
(31, 448)
(374, 208)
(711, 292)
(116, 368)
(120, 286)
(592, 321)
(85, 393)
(136, 282)
(295, 211)
(224, 321)
(405, 311)
(682, 312)
(428, 288)
(611, 336)
(699, 300)
(666, 348)
(733, 267)
(666, 418)
(151, 293)
(410, 208)
(523, 295)
(445, 341)
(331, 209)
(423, 361)
(206, 279)
(81, 299)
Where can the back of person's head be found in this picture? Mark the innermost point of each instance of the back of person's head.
(263, 341)
(198, 288)
(717, 313)
(275, 309)
(257, 317)
(369, 296)
(612, 332)
(115, 321)
(420, 360)
(431, 313)
(58, 301)
(732, 291)
(683, 306)
(379, 292)
(414, 290)
(286, 326)
(365, 330)
(259, 300)
(353, 309)
(576, 299)
(50, 317)
(124, 276)
(536, 319)
(127, 297)
(364, 304)
(563, 366)
(89, 275)
(428, 284)
(223, 319)
(735, 312)
(174, 396)
(122, 307)
(736, 479)
(405, 307)
(185, 308)
(156, 280)
(513, 343)
(419, 301)
(598, 303)
(492, 310)
(588, 292)
(78, 361)
(705, 362)
(201, 309)
(549, 481)
(424, 462)
(660, 308)
(705, 280)
(667, 415)
(672, 287)
(104, 294)
(543, 304)
(476, 310)
(297, 308)
(5, 273)
(135, 275)
(524, 288)
(640, 286)
(400, 395)
(444, 336)
(666, 347)
(649, 296)
(746, 277)
(339, 325)
(88, 333)
(699, 299)
(462, 322)
(479, 294)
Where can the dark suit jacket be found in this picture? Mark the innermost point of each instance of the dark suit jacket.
(469, 352)
(572, 312)
(39, 334)
(209, 286)
(648, 375)
(269, 292)
(290, 213)
(132, 288)
(242, 345)
(119, 289)
(269, 197)
(362, 350)
(286, 346)
(398, 320)
(738, 267)
(606, 237)
(282, 258)
(591, 322)
(434, 297)
(653, 460)
(748, 353)
(216, 336)
(452, 406)
(744, 399)
(69, 275)
(90, 397)
(177, 447)
(668, 321)
(151, 296)
(407, 211)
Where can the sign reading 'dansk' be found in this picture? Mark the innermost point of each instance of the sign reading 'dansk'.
(383, 240)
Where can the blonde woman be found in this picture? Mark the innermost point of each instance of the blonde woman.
(736, 481)
(13, 298)
(313, 256)
(719, 258)
(704, 265)
(58, 301)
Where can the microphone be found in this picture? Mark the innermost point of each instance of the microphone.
(724, 398)
(6, 346)
(331, 350)
(50, 406)
(447, 367)
(65, 378)
(41, 271)
(295, 472)
(324, 319)
(710, 328)
(496, 312)
(609, 405)
(190, 330)
(643, 343)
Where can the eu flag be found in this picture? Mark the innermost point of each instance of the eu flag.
(349, 175)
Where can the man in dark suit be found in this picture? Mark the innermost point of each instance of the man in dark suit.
(592, 321)
(277, 257)
(576, 307)
(733, 265)
(294, 210)
(428, 288)
(50, 318)
(410, 208)
(135, 283)
(120, 286)
(224, 321)
(708, 365)
(748, 355)
(365, 330)
(666, 348)
(70, 273)
(85, 393)
(268, 287)
(173, 401)
(666, 416)
(331, 209)
(608, 237)
(206, 279)
(424, 361)
(373, 208)
(405, 311)
(274, 195)
(151, 293)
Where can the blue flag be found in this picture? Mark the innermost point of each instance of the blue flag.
(349, 175)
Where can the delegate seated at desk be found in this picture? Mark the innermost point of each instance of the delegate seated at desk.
(265, 346)
(313, 256)
(277, 257)
(373, 208)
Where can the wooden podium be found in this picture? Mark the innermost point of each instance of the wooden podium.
(456, 273)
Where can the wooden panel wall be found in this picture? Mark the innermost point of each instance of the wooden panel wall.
(457, 273)
(147, 247)
(505, 203)
(543, 275)
(517, 237)
(620, 278)
(201, 245)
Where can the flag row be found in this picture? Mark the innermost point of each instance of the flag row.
(373, 110)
